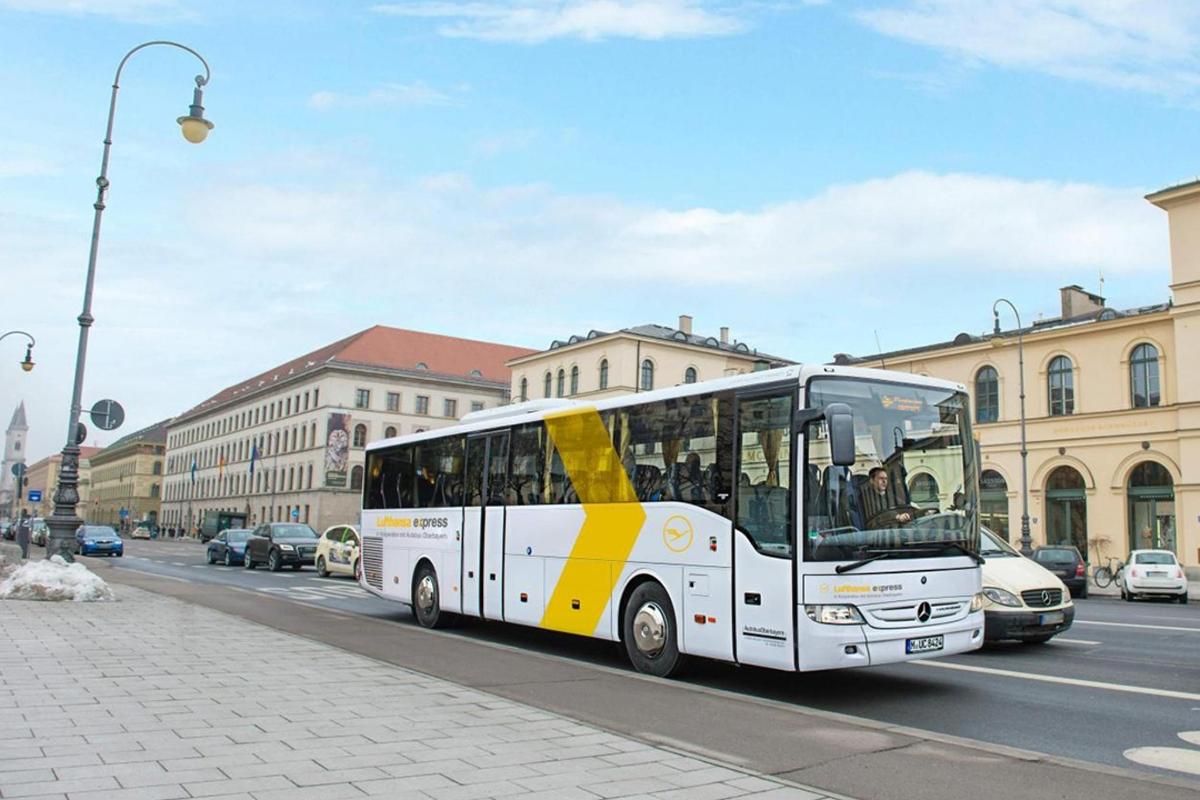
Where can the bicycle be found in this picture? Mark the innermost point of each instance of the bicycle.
(1108, 573)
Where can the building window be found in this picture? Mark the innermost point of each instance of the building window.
(393, 401)
(689, 375)
(316, 397)
(157, 470)
(422, 404)
(360, 435)
(362, 398)
(356, 478)
(923, 491)
(389, 432)
(1143, 375)
(561, 384)
(449, 407)
(546, 387)
(477, 405)
(306, 401)
(524, 389)
(1061, 382)
(574, 380)
(647, 375)
(993, 502)
(604, 373)
(987, 395)
(1151, 498)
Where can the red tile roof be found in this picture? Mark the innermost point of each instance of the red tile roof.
(388, 348)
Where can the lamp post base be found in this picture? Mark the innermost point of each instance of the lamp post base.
(64, 522)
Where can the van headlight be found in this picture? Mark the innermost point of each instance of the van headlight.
(977, 602)
(1001, 597)
(834, 615)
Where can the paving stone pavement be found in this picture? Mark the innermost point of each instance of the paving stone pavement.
(151, 698)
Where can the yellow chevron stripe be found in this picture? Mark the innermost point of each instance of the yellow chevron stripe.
(612, 521)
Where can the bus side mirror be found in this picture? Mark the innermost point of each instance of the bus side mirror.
(839, 421)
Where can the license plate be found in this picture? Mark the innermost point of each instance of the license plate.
(1053, 618)
(926, 644)
(1156, 574)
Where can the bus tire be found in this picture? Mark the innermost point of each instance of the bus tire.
(426, 599)
(649, 631)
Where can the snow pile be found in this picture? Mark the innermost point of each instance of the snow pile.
(53, 579)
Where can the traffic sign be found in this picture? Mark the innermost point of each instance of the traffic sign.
(18, 469)
(80, 433)
(107, 415)
(35, 495)
(295, 513)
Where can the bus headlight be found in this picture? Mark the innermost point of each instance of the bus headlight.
(977, 602)
(1001, 597)
(834, 615)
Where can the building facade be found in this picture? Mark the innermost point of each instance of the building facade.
(601, 364)
(14, 453)
(42, 477)
(127, 476)
(288, 444)
(1112, 412)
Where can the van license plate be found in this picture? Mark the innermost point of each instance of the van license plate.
(926, 644)
(1053, 618)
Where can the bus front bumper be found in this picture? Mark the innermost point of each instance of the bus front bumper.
(837, 646)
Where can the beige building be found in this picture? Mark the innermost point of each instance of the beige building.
(600, 364)
(128, 475)
(288, 443)
(1112, 408)
(43, 477)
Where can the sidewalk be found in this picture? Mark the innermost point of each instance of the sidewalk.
(150, 698)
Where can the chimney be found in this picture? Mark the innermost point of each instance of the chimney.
(1076, 301)
(685, 324)
(724, 335)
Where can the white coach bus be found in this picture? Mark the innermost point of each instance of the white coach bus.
(799, 518)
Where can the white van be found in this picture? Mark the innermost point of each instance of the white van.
(1021, 599)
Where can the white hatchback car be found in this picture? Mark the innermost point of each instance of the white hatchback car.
(1154, 573)
(337, 551)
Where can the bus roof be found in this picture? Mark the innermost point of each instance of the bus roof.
(535, 410)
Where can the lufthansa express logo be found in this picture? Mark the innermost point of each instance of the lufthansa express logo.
(677, 533)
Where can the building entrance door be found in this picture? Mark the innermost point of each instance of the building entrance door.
(1151, 494)
(1066, 509)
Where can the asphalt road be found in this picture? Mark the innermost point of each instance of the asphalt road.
(1118, 694)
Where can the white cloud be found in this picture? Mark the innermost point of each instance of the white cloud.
(388, 94)
(1146, 45)
(130, 10)
(534, 21)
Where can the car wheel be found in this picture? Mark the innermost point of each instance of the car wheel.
(358, 576)
(324, 573)
(1083, 593)
(1183, 598)
(274, 562)
(247, 561)
(1127, 595)
(212, 559)
(648, 628)
(297, 567)
(1039, 639)
(119, 553)
(426, 599)
(229, 558)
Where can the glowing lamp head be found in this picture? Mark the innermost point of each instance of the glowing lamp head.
(194, 126)
(27, 364)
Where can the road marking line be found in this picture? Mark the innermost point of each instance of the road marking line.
(1033, 676)
(1075, 641)
(178, 564)
(1191, 737)
(1177, 758)
(1138, 625)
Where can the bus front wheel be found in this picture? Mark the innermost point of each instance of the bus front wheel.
(648, 627)
(426, 599)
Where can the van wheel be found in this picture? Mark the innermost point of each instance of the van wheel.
(426, 599)
(648, 628)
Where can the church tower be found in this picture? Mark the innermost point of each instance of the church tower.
(14, 453)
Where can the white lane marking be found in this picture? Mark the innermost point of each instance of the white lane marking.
(178, 564)
(1191, 737)
(1179, 759)
(1137, 625)
(1061, 640)
(1033, 676)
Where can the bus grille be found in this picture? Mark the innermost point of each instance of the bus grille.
(372, 561)
(1042, 598)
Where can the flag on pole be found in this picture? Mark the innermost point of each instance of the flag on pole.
(193, 470)
(253, 457)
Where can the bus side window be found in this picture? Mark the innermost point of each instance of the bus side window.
(528, 465)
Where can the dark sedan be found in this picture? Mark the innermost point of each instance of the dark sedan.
(228, 547)
(279, 544)
(1065, 562)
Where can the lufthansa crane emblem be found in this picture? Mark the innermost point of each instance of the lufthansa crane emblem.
(677, 533)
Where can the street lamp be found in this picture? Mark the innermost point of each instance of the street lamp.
(195, 128)
(27, 364)
(1026, 539)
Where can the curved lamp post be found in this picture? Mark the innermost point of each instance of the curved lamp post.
(1026, 539)
(195, 128)
(28, 363)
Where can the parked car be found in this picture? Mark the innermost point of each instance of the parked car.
(337, 551)
(140, 532)
(1154, 573)
(98, 540)
(1021, 600)
(228, 547)
(277, 544)
(39, 531)
(1067, 563)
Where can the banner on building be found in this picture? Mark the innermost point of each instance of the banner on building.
(337, 450)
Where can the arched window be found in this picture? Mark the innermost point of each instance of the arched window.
(923, 490)
(689, 375)
(356, 478)
(360, 435)
(1143, 376)
(647, 375)
(561, 385)
(524, 389)
(987, 395)
(389, 432)
(574, 380)
(993, 502)
(1151, 497)
(157, 468)
(1066, 509)
(604, 373)
(1061, 383)
(154, 490)
(546, 383)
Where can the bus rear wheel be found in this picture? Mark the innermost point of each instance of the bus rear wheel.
(426, 599)
(648, 628)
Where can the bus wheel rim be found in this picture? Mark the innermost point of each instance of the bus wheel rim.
(650, 630)
(426, 590)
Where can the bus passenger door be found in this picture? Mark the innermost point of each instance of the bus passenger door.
(472, 531)
(495, 479)
(764, 559)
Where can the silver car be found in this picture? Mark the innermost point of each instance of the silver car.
(39, 532)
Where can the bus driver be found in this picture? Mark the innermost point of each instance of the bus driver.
(878, 510)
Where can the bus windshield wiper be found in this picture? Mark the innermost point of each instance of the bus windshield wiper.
(875, 556)
(959, 546)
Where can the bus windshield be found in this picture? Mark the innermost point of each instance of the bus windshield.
(912, 489)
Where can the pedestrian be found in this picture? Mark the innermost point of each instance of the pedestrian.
(24, 532)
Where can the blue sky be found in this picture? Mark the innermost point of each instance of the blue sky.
(811, 174)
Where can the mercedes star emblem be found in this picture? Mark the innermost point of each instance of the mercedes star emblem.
(1045, 597)
(924, 612)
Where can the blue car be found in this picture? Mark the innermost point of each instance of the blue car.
(98, 540)
(228, 547)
